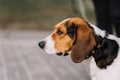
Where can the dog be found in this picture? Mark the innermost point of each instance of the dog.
(83, 40)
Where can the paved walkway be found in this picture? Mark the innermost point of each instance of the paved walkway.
(22, 59)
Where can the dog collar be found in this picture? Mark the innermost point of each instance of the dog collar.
(99, 45)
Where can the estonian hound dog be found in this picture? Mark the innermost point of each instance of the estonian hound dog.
(83, 40)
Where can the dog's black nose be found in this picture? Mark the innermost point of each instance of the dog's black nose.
(41, 44)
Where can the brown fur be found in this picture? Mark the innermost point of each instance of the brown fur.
(84, 39)
(62, 42)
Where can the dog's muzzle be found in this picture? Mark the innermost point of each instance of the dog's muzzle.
(42, 45)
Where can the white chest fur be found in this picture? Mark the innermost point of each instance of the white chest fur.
(112, 72)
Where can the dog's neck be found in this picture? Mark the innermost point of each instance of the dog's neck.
(98, 31)
(106, 50)
(99, 43)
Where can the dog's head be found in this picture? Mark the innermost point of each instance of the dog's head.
(72, 36)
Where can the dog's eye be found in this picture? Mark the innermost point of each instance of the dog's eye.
(59, 32)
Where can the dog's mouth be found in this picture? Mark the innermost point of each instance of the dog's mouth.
(65, 53)
(62, 54)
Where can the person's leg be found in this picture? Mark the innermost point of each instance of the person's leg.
(117, 26)
(115, 15)
(103, 14)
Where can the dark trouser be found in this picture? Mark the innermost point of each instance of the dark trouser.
(108, 13)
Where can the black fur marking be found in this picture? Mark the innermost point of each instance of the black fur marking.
(70, 29)
(62, 54)
(66, 54)
(59, 54)
(106, 53)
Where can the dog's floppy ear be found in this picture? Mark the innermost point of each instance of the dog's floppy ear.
(84, 42)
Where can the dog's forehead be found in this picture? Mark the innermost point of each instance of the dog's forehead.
(63, 22)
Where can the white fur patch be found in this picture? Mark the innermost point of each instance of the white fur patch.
(49, 45)
(98, 31)
(112, 72)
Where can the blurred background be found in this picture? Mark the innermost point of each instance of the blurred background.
(23, 23)
(40, 14)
